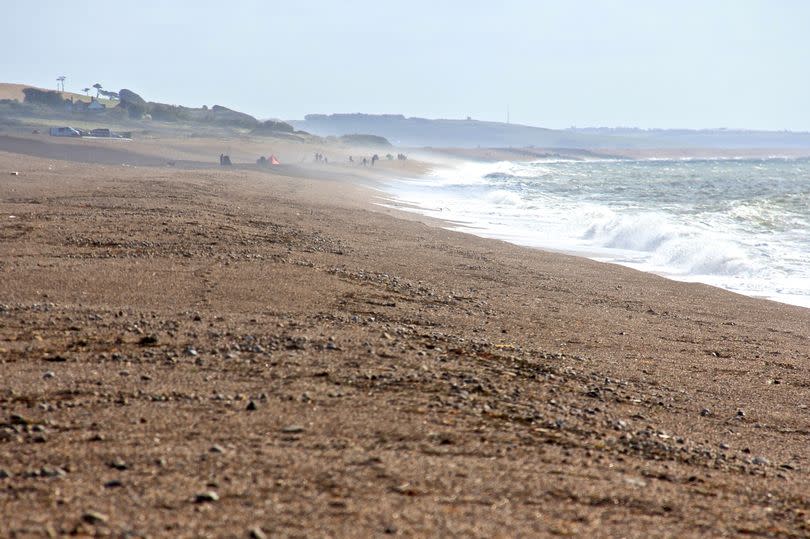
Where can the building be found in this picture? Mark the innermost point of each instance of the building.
(95, 106)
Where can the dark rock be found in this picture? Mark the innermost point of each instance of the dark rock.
(119, 464)
(208, 496)
(94, 517)
(251, 406)
(148, 340)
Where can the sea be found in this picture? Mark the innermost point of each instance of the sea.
(736, 223)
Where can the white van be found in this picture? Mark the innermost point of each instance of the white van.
(64, 132)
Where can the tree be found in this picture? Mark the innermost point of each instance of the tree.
(48, 98)
(86, 91)
(98, 88)
(60, 83)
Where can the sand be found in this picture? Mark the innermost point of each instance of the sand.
(202, 352)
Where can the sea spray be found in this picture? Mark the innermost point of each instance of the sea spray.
(741, 224)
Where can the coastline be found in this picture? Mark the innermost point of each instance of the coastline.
(501, 214)
(404, 377)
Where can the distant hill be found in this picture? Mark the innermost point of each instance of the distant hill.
(15, 91)
(422, 132)
(402, 131)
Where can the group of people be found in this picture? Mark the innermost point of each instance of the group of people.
(224, 160)
(265, 161)
(365, 161)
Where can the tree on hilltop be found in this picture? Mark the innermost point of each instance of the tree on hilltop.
(86, 91)
(98, 88)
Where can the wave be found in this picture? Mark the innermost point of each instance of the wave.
(501, 197)
(727, 223)
(676, 248)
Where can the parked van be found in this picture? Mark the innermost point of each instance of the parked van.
(64, 132)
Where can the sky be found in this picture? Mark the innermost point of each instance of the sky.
(640, 63)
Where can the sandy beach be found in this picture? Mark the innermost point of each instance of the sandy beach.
(194, 351)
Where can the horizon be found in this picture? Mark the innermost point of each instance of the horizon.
(728, 65)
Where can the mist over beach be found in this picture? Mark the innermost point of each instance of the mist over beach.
(416, 269)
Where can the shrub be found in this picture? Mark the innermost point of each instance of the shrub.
(48, 98)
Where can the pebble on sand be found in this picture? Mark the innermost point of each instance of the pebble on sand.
(94, 517)
(208, 496)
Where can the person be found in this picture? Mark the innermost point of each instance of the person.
(374, 159)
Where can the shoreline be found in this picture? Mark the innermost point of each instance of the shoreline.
(518, 237)
(323, 364)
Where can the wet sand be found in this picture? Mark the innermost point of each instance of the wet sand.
(227, 353)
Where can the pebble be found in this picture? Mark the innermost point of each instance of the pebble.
(48, 375)
(115, 483)
(251, 406)
(94, 517)
(705, 412)
(292, 429)
(256, 533)
(206, 497)
(635, 481)
(216, 448)
(760, 461)
(119, 464)
(149, 340)
(724, 446)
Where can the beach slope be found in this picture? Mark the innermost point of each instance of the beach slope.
(213, 352)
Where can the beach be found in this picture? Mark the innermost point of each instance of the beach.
(194, 351)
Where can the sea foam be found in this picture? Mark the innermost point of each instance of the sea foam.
(735, 223)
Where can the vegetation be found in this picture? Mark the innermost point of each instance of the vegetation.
(48, 98)
(367, 140)
(274, 126)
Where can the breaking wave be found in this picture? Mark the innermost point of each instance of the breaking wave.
(740, 224)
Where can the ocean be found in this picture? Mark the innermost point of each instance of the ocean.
(739, 224)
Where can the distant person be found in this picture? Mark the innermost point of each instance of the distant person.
(374, 159)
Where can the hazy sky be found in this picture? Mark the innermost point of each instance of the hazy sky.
(645, 63)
